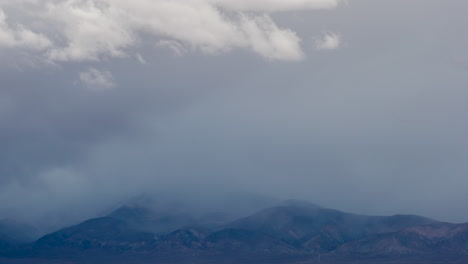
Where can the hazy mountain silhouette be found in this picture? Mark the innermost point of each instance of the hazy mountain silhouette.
(318, 229)
(432, 239)
(292, 232)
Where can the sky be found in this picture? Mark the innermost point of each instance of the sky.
(356, 105)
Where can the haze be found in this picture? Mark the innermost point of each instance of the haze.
(356, 105)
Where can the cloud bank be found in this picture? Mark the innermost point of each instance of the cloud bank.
(93, 30)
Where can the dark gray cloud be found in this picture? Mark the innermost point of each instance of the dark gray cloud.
(376, 126)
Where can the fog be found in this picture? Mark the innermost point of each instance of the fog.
(376, 125)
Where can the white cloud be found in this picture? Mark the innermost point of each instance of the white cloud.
(329, 41)
(264, 37)
(20, 36)
(95, 79)
(93, 30)
(206, 28)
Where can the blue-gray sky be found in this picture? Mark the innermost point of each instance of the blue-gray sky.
(358, 105)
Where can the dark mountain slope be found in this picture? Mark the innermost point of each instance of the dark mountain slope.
(432, 239)
(187, 240)
(318, 229)
(152, 220)
(103, 234)
(246, 241)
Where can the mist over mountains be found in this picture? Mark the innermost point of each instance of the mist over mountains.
(145, 230)
(172, 131)
(379, 121)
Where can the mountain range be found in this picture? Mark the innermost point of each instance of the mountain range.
(290, 232)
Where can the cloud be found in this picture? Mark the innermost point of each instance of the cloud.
(276, 5)
(270, 41)
(20, 36)
(95, 79)
(176, 47)
(329, 41)
(370, 130)
(141, 59)
(94, 30)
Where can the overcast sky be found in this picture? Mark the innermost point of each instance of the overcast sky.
(358, 105)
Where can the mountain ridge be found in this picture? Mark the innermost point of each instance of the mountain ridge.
(289, 232)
